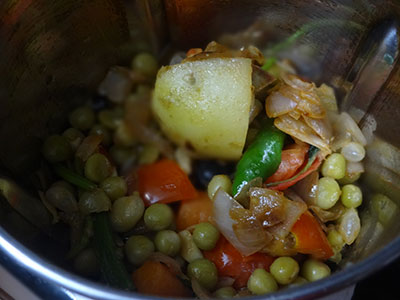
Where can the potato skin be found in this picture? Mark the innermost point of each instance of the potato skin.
(205, 105)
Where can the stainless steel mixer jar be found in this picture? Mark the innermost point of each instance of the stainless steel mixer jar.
(54, 54)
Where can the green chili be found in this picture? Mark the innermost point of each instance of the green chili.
(73, 178)
(261, 159)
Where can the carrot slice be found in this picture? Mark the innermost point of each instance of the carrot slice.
(154, 278)
(194, 211)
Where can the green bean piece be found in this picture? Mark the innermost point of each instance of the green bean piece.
(205, 272)
(97, 168)
(217, 182)
(145, 63)
(138, 248)
(56, 148)
(73, 178)
(115, 187)
(112, 268)
(334, 166)
(284, 269)
(110, 118)
(126, 212)
(99, 129)
(158, 216)
(314, 270)
(205, 236)
(74, 136)
(62, 198)
(261, 282)
(261, 159)
(168, 242)
(226, 292)
(82, 118)
(351, 196)
(328, 192)
(94, 201)
(86, 263)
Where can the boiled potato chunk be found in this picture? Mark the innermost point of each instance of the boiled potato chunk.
(205, 105)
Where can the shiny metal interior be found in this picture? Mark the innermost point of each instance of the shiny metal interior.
(54, 53)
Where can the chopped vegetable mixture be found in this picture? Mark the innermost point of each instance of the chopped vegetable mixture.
(217, 176)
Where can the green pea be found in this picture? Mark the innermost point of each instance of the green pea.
(56, 148)
(298, 281)
(82, 118)
(335, 239)
(328, 192)
(219, 181)
(149, 154)
(261, 282)
(314, 270)
(225, 292)
(145, 63)
(334, 166)
(284, 269)
(97, 167)
(351, 196)
(168, 242)
(115, 187)
(138, 248)
(86, 263)
(121, 154)
(99, 129)
(74, 136)
(94, 201)
(110, 118)
(158, 217)
(205, 235)
(126, 212)
(349, 178)
(205, 272)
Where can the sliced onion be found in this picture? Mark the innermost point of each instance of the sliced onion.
(327, 96)
(199, 291)
(340, 140)
(88, 146)
(321, 127)
(353, 152)
(300, 130)
(251, 239)
(354, 167)
(116, 85)
(297, 83)
(255, 109)
(307, 188)
(276, 105)
(171, 263)
(349, 225)
(225, 281)
(293, 211)
(345, 123)
(328, 215)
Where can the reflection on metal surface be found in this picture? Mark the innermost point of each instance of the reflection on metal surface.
(372, 67)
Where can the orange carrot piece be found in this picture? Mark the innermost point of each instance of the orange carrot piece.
(154, 278)
(194, 211)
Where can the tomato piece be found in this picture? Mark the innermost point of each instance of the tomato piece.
(310, 238)
(194, 211)
(292, 159)
(284, 185)
(231, 263)
(164, 182)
